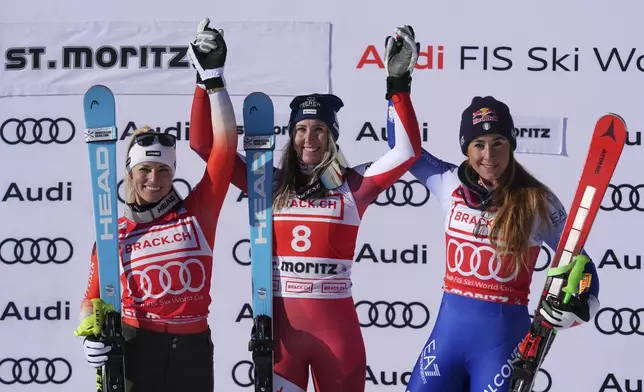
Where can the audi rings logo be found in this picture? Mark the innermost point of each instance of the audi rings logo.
(31, 131)
(241, 252)
(40, 251)
(624, 197)
(396, 314)
(243, 374)
(403, 193)
(482, 262)
(623, 321)
(538, 385)
(182, 186)
(38, 371)
(190, 279)
(548, 259)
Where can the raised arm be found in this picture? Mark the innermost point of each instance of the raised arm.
(439, 176)
(368, 181)
(207, 198)
(382, 173)
(201, 136)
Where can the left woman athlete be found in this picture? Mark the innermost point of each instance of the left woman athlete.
(166, 247)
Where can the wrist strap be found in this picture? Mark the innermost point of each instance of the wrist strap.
(400, 84)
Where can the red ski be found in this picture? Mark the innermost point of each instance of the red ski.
(605, 149)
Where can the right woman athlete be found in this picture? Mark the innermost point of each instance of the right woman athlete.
(318, 203)
(497, 217)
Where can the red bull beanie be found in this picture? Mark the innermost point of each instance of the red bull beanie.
(484, 116)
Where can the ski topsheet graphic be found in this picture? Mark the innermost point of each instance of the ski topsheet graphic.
(259, 143)
(101, 134)
(566, 276)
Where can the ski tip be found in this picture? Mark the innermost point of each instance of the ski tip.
(258, 98)
(97, 94)
(613, 127)
(616, 116)
(258, 94)
(99, 88)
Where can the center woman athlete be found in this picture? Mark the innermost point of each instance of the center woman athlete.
(496, 217)
(318, 203)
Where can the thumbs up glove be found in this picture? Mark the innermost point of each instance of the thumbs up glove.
(401, 56)
(207, 54)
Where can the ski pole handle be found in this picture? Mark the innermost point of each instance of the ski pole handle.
(576, 276)
(99, 379)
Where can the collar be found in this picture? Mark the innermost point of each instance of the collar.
(305, 169)
(475, 194)
(161, 208)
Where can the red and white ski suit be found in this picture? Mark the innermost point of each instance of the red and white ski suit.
(314, 318)
(166, 264)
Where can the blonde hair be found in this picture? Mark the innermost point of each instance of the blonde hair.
(127, 183)
(290, 178)
(522, 200)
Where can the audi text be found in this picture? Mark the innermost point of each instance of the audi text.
(417, 254)
(612, 383)
(610, 259)
(58, 192)
(55, 312)
(368, 131)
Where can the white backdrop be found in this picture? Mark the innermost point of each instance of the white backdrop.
(567, 103)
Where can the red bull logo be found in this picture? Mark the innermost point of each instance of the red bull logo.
(484, 114)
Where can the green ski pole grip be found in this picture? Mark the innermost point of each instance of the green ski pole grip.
(576, 276)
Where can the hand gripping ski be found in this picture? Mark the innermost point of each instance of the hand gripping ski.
(605, 149)
(259, 143)
(100, 135)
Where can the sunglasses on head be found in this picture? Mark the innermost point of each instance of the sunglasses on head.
(146, 139)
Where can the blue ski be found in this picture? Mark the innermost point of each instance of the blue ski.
(100, 135)
(259, 143)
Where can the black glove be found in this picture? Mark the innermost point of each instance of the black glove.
(207, 54)
(401, 55)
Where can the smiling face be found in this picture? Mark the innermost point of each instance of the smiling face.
(489, 156)
(151, 182)
(310, 141)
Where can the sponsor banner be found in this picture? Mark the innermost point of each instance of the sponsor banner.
(556, 81)
(534, 134)
(540, 135)
(150, 57)
(406, 255)
(48, 123)
(459, 52)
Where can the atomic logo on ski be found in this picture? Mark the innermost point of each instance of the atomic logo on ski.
(610, 132)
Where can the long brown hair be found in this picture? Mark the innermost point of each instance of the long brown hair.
(522, 201)
(291, 178)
